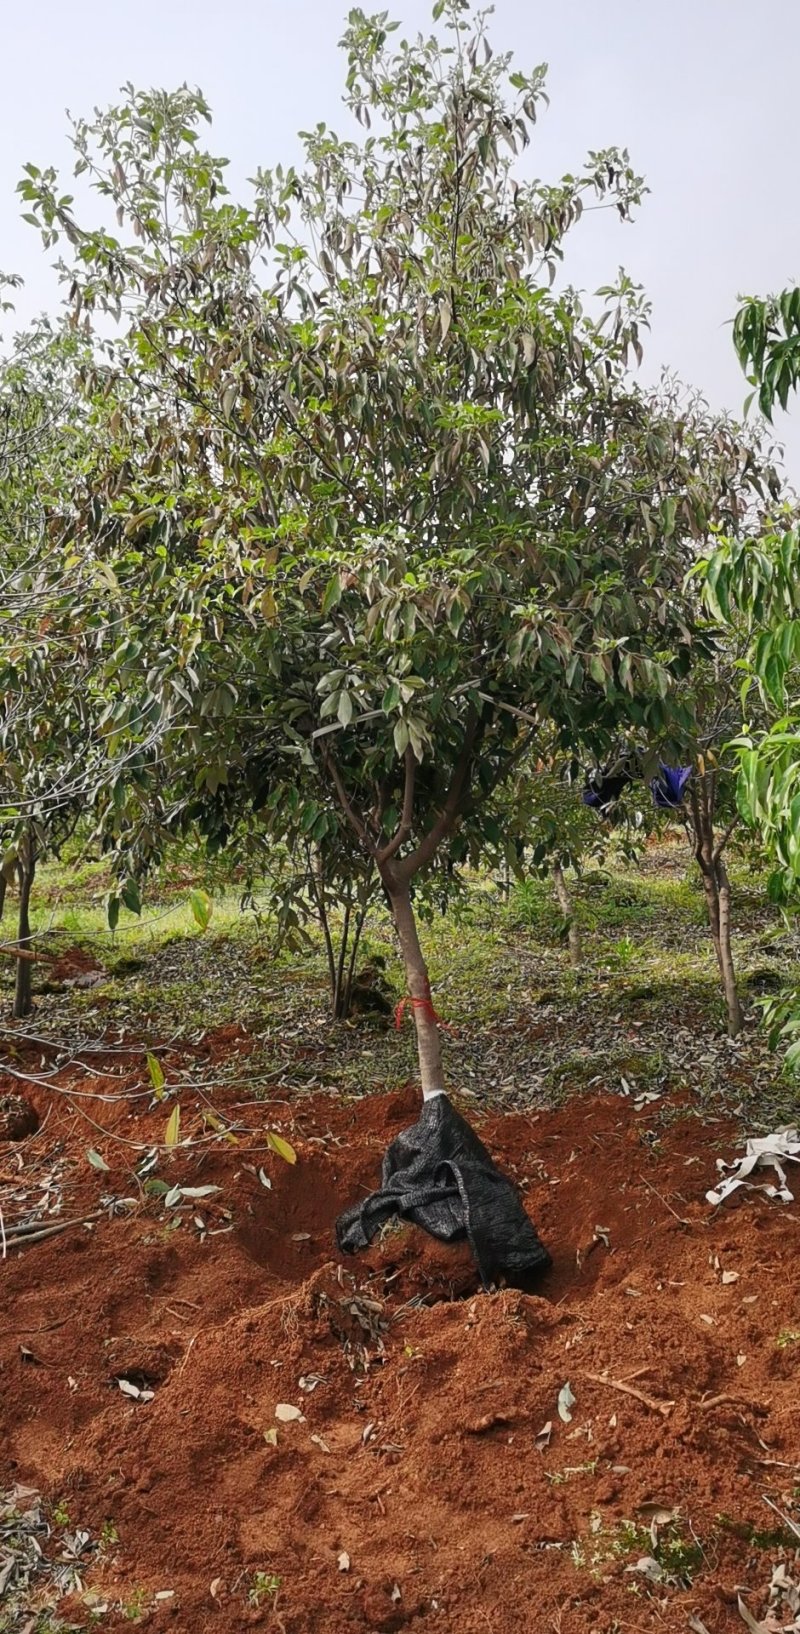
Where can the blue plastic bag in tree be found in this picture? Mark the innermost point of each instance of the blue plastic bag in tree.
(669, 787)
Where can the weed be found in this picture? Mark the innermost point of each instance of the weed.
(678, 1556)
(265, 1586)
(788, 1336)
(134, 1607)
(61, 1514)
(109, 1536)
(624, 953)
(558, 1477)
(777, 1537)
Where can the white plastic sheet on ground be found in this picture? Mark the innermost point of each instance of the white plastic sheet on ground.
(773, 1152)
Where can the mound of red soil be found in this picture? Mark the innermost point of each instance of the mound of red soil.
(330, 1447)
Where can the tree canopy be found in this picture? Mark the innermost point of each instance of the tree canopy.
(369, 502)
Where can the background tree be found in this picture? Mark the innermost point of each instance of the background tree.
(766, 334)
(46, 705)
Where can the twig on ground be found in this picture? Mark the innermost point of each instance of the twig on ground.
(662, 1407)
(787, 1520)
(679, 1217)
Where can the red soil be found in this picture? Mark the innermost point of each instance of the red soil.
(411, 1495)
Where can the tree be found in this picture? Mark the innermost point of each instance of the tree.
(766, 335)
(45, 706)
(372, 528)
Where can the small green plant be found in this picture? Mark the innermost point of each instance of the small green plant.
(678, 1556)
(108, 1535)
(788, 1336)
(61, 1514)
(133, 1608)
(265, 1586)
(559, 1476)
(776, 1537)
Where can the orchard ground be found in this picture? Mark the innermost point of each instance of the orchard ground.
(208, 1419)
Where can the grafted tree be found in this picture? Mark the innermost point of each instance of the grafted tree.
(375, 504)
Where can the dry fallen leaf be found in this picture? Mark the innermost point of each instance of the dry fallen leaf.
(134, 1392)
(648, 1567)
(217, 1588)
(271, 1437)
(728, 1277)
(566, 1401)
(543, 1438)
(318, 1442)
(748, 1618)
(344, 1561)
(285, 1413)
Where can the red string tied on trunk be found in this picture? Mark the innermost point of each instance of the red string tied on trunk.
(424, 1004)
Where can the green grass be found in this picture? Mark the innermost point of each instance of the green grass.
(526, 1029)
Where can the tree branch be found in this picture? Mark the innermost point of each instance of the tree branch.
(428, 846)
(352, 816)
(720, 847)
(404, 828)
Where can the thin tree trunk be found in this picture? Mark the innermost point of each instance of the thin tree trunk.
(341, 1006)
(23, 992)
(725, 952)
(717, 889)
(428, 1040)
(567, 907)
(315, 875)
(3, 889)
(360, 922)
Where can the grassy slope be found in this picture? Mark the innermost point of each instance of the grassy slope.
(644, 1009)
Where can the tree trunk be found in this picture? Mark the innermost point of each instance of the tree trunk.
(339, 996)
(23, 991)
(567, 907)
(716, 886)
(428, 1040)
(351, 965)
(725, 952)
(3, 889)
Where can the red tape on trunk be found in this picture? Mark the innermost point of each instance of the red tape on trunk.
(425, 1004)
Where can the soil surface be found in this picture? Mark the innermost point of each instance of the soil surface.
(376, 1444)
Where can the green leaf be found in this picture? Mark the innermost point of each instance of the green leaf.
(333, 593)
(202, 908)
(173, 1129)
(345, 710)
(391, 698)
(157, 1078)
(281, 1146)
(97, 1161)
(130, 896)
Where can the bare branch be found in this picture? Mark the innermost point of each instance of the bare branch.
(428, 846)
(356, 823)
(404, 828)
(721, 844)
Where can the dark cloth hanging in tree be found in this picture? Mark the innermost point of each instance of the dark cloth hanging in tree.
(605, 786)
(439, 1175)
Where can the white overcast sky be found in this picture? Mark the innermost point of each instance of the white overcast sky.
(702, 92)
